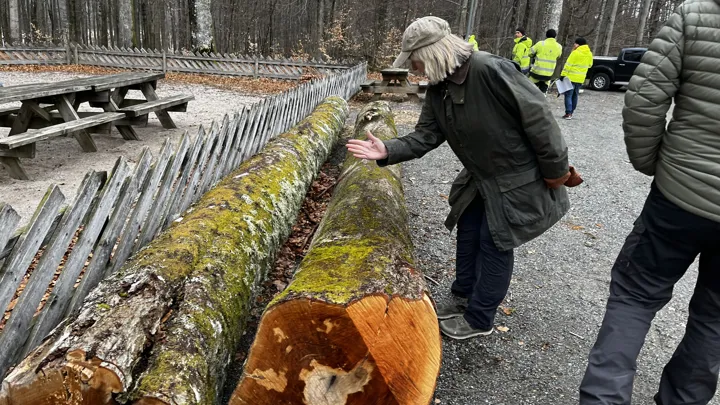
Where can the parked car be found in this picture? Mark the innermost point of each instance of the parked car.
(609, 71)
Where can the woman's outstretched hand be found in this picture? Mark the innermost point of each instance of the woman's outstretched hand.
(372, 149)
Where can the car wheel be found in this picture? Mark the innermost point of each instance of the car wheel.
(600, 82)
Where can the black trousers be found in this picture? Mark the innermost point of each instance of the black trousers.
(664, 242)
(482, 272)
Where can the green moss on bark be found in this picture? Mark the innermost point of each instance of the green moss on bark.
(364, 237)
(220, 252)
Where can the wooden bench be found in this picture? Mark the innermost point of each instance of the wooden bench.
(30, 137)
(9, 110)
(172, 103)
(394, 81)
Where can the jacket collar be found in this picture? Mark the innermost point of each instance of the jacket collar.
(460, 73)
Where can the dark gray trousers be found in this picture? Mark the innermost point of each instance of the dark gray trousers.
(664, 242)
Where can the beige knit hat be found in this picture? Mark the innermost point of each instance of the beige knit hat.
(421, 33)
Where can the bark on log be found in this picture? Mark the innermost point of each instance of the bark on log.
(163, 329)
(356, 325)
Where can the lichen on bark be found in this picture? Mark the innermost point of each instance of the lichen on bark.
(170, 319)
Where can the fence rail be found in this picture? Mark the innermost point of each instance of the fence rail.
(166, 61)
(65, 251)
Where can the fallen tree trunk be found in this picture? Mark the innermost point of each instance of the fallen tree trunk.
(356, 325)
(165, 326)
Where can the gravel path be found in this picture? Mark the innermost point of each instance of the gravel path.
(61, 161)
(561, 279)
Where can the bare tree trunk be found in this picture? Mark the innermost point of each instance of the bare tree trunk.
(462, 20)
(125, 23)
(62, 30)
(14, 11)
(202, 37)
(654, 16)
(319, 27)
(553, 12)
(598, 27)
(611, 27)
(643, 20)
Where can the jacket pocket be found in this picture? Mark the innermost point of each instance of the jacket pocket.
(525, 197)
(459, 185)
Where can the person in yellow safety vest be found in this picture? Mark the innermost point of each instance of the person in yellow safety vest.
(473, 42)
(576, 68)
(521, 51)
(546, 54)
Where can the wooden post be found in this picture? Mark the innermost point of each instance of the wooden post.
(257, 68)
(68, 54)
(164, 62)
(77, 60)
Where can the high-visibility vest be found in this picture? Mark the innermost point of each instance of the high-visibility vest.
(473, 42)
(521, 52)
(577, 65)
(546, 54)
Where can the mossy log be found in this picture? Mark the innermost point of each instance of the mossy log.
(356, 325)
(163, 329)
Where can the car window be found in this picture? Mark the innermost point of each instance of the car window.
(633, 56)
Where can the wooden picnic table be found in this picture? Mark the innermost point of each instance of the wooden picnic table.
(396, 81)
(107, 92)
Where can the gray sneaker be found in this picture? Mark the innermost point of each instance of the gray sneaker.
(459, 328)
(456, 307)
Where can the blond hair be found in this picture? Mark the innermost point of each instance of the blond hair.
(443, 57)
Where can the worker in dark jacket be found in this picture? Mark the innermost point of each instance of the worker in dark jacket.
(680, 220)
(514, 155)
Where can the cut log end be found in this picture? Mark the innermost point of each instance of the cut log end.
(378, 350)
(73, 380)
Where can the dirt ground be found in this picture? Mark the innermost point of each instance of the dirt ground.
(61, 161)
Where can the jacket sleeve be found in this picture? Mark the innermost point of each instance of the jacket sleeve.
(533, 50)
(518, 53)
(570, 60)
(529, 105)
(650, 95)
(426, 137)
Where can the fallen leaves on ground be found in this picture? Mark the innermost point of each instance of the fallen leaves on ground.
(507, 310)
(502, 328)
(237, 83)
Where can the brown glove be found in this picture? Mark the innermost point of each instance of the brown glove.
(556, 183)
(575, 179)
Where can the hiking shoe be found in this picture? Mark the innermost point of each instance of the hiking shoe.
(456, 307)
(567, 116)
(459, 329)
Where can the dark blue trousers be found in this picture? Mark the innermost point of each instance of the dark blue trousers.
(482, 271)
(571, 98)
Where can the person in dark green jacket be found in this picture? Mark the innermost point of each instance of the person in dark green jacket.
(515, 164)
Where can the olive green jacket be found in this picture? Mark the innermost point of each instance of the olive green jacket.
(681, 65)
(499, 126)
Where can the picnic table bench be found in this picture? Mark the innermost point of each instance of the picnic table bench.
(41, 100)
(394, 81)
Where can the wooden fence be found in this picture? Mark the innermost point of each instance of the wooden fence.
(48, 267)
(165, 61)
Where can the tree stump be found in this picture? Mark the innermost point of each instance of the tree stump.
(356, 325)
(163, 329)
